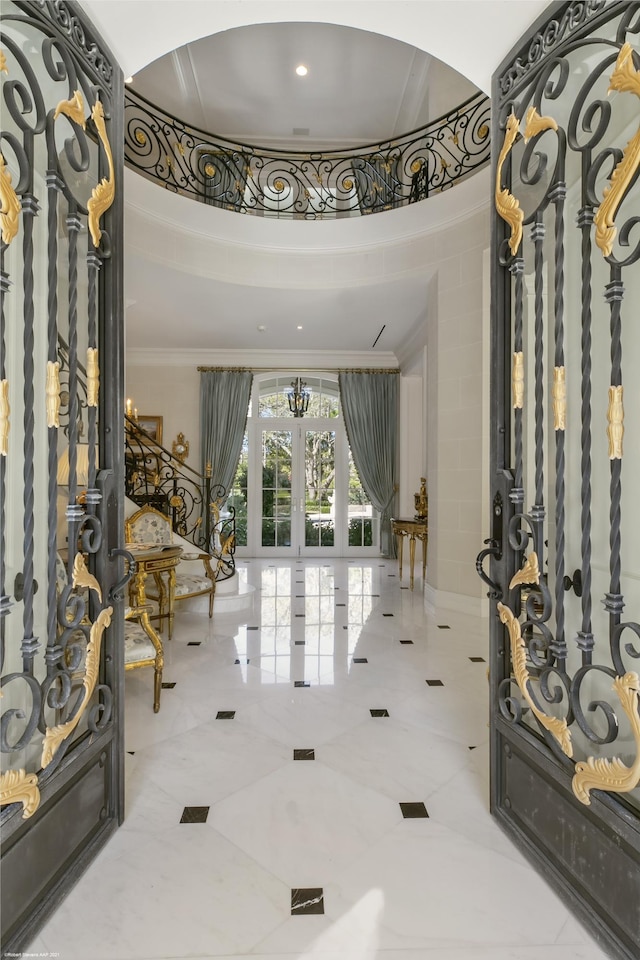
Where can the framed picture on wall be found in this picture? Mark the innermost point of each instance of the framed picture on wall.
(152, 426)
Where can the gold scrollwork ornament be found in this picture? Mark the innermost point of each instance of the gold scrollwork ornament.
(73, 108)
(56, 735)
(507, 205)
(11, 206)
(18, 786)
(103, 195)
(535, 124)
(625, 78)
(82, 578)
(602, 773)
(556, 726)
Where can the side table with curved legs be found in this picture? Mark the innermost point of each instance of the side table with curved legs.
(414, 530)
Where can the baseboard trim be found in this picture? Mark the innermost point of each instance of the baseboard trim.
(442, 600)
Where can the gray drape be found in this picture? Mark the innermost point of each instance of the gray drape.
(370, 408)
(224, 406)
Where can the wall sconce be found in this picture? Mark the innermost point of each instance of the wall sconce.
(180, 448)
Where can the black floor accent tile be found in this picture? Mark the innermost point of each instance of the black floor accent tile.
(225, 714)
(300, 596)
(406, 641)
(300, 643)
(300, 614)
(301, 683)
(340, 604)
(379, 713)
(168, 686)
(477, 659)
(375, 594)
(360, 660)
(444, 626)
(194, 815)
(299, 581)
(346, 627)
(435, 683)
(306, 901)
(194, 643)
(253, 628)
(472, 748)
(387, 614)
(391, 574)
(304, 754)
(132, 753)
(411, 811)
(242, 661)
(404, 588)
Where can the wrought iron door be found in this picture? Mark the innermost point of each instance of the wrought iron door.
(61, 451)
(565, 567)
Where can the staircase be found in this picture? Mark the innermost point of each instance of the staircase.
(192, 502)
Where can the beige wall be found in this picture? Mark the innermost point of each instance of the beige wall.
(457, 423)
(172, 392)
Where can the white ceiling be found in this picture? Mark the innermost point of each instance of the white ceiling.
(166, 308)
(241, 84)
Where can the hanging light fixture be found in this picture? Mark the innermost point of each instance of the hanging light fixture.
(298, 396)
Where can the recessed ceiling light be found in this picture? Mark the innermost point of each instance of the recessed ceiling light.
(301, 70)
(299, 326)
(129, 80)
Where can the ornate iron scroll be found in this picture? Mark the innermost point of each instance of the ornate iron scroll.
(314, 185)
(576, 154)
(57, 692)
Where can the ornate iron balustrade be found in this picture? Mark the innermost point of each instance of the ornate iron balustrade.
(312, 185)
(192, 502)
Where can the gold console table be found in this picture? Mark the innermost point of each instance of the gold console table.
(155, 559)
(415, 530)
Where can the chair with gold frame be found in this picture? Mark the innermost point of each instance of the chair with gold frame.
(151, 527)
(143, 647)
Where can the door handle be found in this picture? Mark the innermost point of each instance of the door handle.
(493, 550)
(116, 590)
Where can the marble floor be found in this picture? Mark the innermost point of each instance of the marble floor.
(314, 788)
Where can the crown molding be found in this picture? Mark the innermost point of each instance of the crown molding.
(294, 360)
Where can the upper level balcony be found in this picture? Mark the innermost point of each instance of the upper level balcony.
(311, 185)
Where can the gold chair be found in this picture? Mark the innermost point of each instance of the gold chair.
(150, 527)
(143, 647)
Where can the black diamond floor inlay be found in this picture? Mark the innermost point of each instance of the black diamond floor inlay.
(340, 604)
(379, 713)
(301, 683)
(307, 900)
(132, 753)
(253, 628)
(444, 626)
(472, 748)
(300, 643)
(168, 686)
(194, 643)
(244, 660)
(477, 659)
(435, 683)
(299, 614)
(194, 815)
(387, 614)
(345, 627)
(225, 714)
(411, 811)
(404, 588)
(360, 660)
(304, 754)
(406, 641)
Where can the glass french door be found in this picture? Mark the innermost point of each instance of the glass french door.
(299, 501)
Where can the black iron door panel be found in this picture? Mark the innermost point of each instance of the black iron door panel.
(565, 560)
(60, 455)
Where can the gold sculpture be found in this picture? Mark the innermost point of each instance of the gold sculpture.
(20, 786)
(11, 206)
(535, 124)
(420, 499)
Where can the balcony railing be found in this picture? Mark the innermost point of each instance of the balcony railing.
(306, 186)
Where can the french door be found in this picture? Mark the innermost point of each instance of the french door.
(299, 495)
(565, 421)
